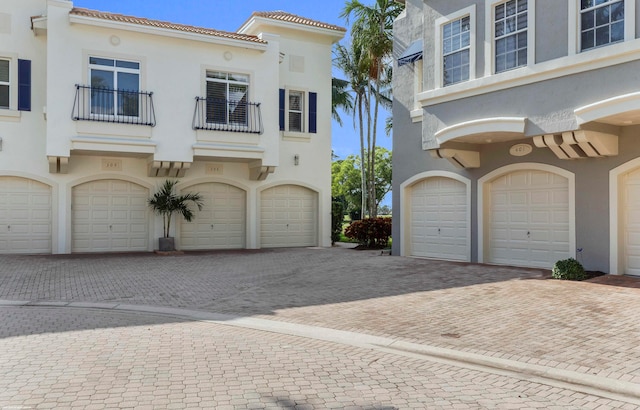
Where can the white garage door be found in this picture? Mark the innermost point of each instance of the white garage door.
(439, 221)
(25, 216)
(109, 216)
(289, 217)
(631, 225)
(221, 222)
(529, 219)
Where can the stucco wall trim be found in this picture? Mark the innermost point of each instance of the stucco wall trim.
(616, 254)
(612, 55)
(514, 125)
(605, 108)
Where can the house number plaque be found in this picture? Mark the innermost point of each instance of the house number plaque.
(520, 150)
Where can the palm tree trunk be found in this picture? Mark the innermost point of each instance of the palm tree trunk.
(363, 195)
(372, 182)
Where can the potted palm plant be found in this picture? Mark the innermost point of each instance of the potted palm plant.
(166, 202)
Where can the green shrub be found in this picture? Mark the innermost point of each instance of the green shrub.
(568, 269)
(370, 232)
(337, 216)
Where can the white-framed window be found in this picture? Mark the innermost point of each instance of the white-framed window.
(115, 87)
(455, 47)
(598, 23)
(5, 83)
(510, 28)
(296, 109)
(510, 34)
(227, 98)
(456, 50)
(601, 23)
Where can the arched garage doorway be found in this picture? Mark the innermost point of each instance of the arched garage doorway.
(221, 224)
(25, 216)
(288, 217)
(527, 216)
(437, 205)
(109, 215)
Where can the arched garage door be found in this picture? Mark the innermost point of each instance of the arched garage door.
(439, 221)
(631, 223)
(529, 219)
(25, 216)
(109, 216)
(221, 224)
(288, 217)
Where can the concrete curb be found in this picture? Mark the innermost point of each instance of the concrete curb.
(586, 383)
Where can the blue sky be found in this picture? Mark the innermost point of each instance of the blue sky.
(228, 15)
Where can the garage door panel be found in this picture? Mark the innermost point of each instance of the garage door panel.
(517, 198)
(222, 222)
(536, 218)
(110, 216)
(99, 215)
(541, 198)
(289, 217)
(541, 217)
(25, 216)
(438, 220)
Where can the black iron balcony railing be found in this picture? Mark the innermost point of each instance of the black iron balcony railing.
(117, 106)
(223, 115)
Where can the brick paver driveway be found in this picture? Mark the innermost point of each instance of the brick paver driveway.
(499, 313)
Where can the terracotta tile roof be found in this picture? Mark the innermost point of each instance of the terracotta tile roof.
(292, 18)
(163, 24)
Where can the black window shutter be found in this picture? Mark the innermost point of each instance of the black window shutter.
(24, 85)
(282, 109)
(313, 109)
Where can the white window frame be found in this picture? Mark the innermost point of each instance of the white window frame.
(12, 111)
(305, 110)
(228, 82)
(301, 111)
(7, 83)
(439, 73)
(575, 29)
(490, 43)
(115, 70)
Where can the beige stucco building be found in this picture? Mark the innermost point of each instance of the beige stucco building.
(97, 109)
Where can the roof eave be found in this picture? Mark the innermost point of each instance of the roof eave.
(255, 22)
(206, 38)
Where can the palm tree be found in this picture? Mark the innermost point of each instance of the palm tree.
(372, 33)
(353, 64)
(340, 98)
(165, 202)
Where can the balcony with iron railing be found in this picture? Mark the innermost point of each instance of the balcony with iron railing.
(113, 106)
(214, 114)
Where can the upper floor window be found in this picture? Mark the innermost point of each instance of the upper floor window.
(115, 87)
(510, 31)
(601, 23)
(456, 47)
(4, 83)
(455, 39)
(296, 111)
(227, 98)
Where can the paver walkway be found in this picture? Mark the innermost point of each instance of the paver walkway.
(496, 312)
(74, 359)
